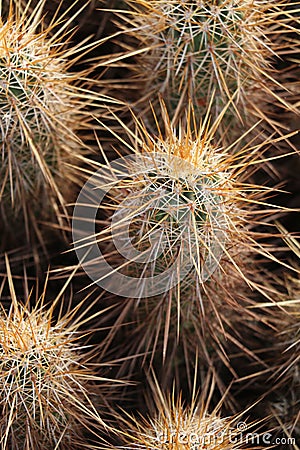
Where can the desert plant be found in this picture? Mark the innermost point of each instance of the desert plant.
(177, 237)
(282, 347)
(191, 50)
(172, 425)
(284, 401)
(287, 339)
(44, 106)
(49, 387)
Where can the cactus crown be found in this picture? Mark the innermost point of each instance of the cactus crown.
(175, 426)
(180, 206)
(196, 49)
(46, 382)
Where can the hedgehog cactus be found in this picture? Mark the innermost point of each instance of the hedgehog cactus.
(182, 209)
(42, 108)
(285, 367)
(47, 385)
(287, 340)
(175, 426)
(178, 202)
(283, 349)
(178, 242)
(284, 410)
(283, 404)
(199, 49)
(175, 194)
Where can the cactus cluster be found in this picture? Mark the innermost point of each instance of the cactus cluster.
(182, 271)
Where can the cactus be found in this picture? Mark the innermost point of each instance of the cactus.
(43, 107)
(183, 234)
(287, 340)
(284, 410)
(172, 425)
(284, 402)
(283, 349)
(198, 49)
(48, 386)
(179, 242)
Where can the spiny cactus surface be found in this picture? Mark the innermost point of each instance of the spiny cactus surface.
(193, 50)
(43, 107)
(48, 387)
